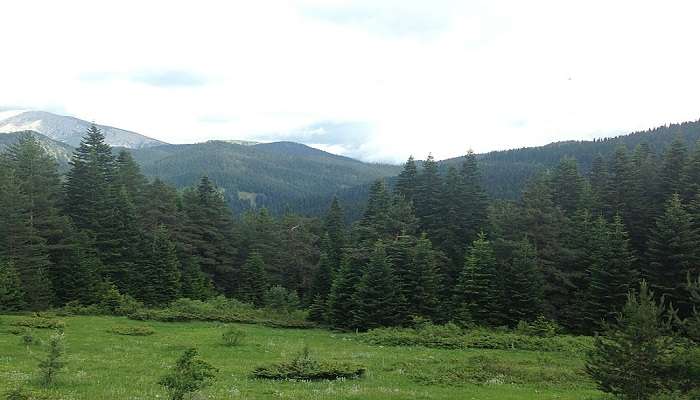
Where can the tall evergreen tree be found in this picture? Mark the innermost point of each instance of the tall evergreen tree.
(673, 169)
(567, 186)
(334, 226)
(128, 175)
(160, 271)
(376, 298)
(612, 274)
(673, 254)
(420, 286)
(341, 298)
(523, 285)
(427, 197)
(407, 181)
(253, 282)
(194, 283)
(478, 295)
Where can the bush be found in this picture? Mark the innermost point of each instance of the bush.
(541, 326)
(23, 394)
(53, 363)
(304, 367)
(132, 330)
(189, 375)
(40, 322)
(28, 339)
(450, 336)
(232, 336)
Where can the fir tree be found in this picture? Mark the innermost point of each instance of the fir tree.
(612, 274)
(341, 298)
(523, 285)
(673, 254)
(427, 197)
(421, 285)
(478, 297)
(253, 282)
(194, 283)
(323, 278)
(407, 181)
(673, 169)
(334, 226)
(160, 271)
(376, 298)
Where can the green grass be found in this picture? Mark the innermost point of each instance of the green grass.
(103, 365)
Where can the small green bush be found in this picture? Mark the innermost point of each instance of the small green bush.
(304, 367)
(189, 375)
(232, 336)
(23, 394)
(279, 299)
(132, 330)
(28, 339)
(541, 326)
(40, 322)
(53, 363)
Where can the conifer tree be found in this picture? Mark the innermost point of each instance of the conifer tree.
(478, 296)
(341, 298)
(691, 185)
(334, 226)
(427, 197)
(672, 174)
(376, 298)
(128, 175)
(567, 186)
(673, 254)
(598, 178)
(253, 282)
(77, 271)
(11, 295)
(619, 184)
(612, 274)
(474, 208)
(194, 283)
(523, 285)
(323, 278)
(407, 181)
(420, 286)
(160, 271)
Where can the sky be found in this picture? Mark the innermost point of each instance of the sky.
(377, 80)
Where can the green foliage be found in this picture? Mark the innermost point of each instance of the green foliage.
(541, 326)
(52, 364)
(304, 367)
(40, 322)
(189, 375)
(132, 330)
(280, 299)
(11, 295)
(631, 359)
(232, 336)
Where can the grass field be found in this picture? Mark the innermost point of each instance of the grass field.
(104, 365)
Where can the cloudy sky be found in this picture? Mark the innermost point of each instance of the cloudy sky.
(373, 79)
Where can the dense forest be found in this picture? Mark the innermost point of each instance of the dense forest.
(434, 246)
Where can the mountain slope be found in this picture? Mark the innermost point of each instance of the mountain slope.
(506, 172)
(60, 151)
(70, 130)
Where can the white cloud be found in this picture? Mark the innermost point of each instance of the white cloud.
(413, 76)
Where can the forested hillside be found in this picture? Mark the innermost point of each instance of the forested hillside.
(505, 172)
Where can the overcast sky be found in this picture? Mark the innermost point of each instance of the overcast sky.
(375, 79)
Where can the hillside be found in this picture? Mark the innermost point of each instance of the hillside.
(70, 130)
(506, 172)
(61, 151)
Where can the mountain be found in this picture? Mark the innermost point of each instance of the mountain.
(70, 130)
(279, 176)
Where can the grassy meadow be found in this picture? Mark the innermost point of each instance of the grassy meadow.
(104, 365)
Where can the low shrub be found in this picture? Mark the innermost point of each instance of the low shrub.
(53, 363)
(28, 339)
(541, 326)
(232, 336)
(23, 394)
(190, 374)
(304, 367)
(132, 330)
(450, 336)
(40, 322)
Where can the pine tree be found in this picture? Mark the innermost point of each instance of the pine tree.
(253, 282)
(619, 184)
(77, 271)
(323, 278)
(160, 271)
(673, 254)
(128, 175)
(334, 226)
(420, 287)
(478, 296)
(691, 186)
(598, 178)
(630, 359)
(474, 208)
(567, 186)
(406, 182)
(673, 169)
(612, 274)
(376, 298)
(11, 295)
(523, 285)
(427, 197)
(341, 298)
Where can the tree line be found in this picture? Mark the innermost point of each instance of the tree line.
(433, 246)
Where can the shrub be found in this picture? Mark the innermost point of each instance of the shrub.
(132, 330)
(305, 367)
(28, 339)
(40, 322)
(541, 326)
(232, 336)
(23, 394)
(114, 303)
(53, 363)
(189, 375)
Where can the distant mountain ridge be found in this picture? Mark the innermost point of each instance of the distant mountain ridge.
(70, 130)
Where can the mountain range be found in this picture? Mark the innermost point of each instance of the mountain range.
(291, 176)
